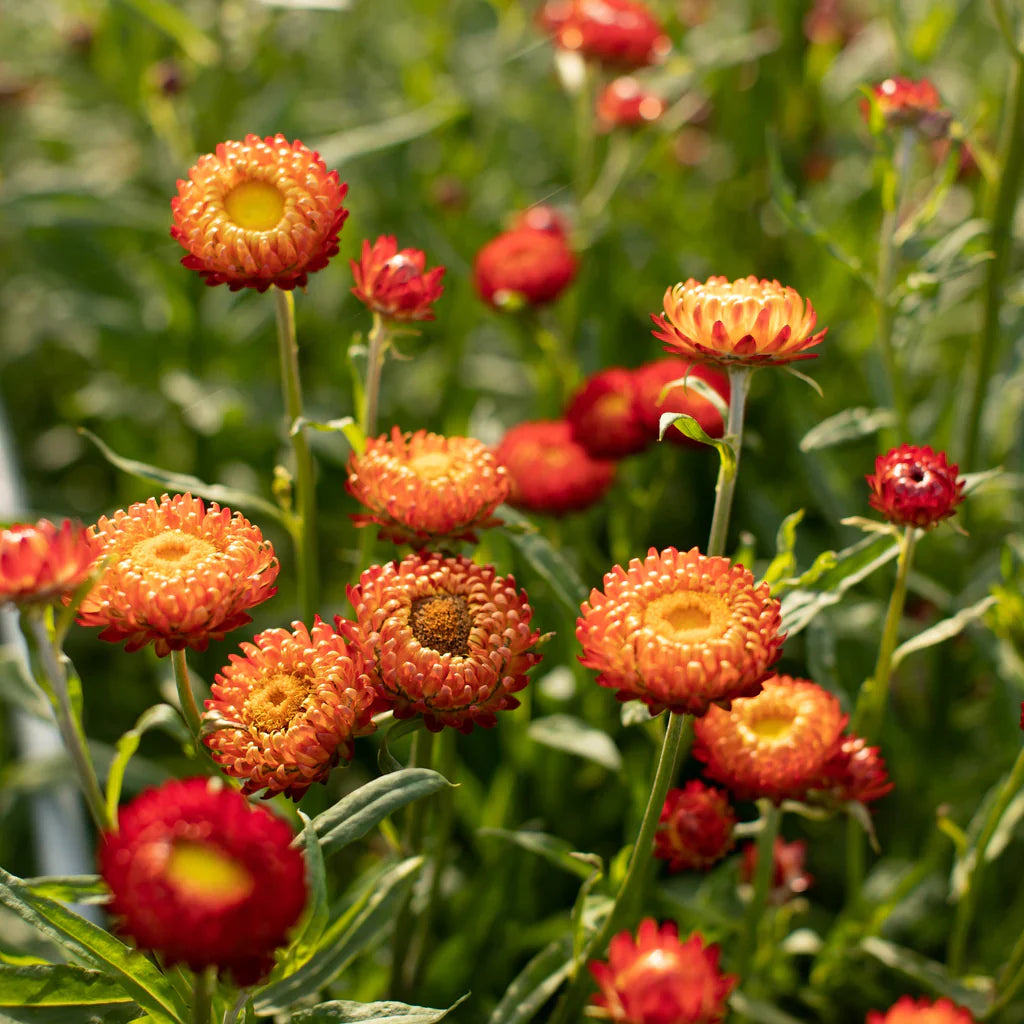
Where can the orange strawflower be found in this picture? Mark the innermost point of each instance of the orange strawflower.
(525, 265)
(177, 574)
(748, 322)
(921, 1011)
(394, 282)
(604, 415)
(624, 102)
(914, 486)
(287, 711)
(651, 379)
(905, 103)
(617, 32)
(789, 878)
(259, 212)
(682, 631)
(423, 488)
(44, 563)
(445, 638)
(695, 827)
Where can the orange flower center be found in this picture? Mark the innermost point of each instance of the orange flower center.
(431, 465)
(205, 874)
(171, 550)
(442, 623)
(687, 617)
(255, 205)
(276, 700)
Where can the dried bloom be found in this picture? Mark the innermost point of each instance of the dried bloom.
(258, 213)
(624, 33)
(203, 878)
(445, 638)
(44, 563)
(525, 265)
(656, 979)
(549, 472)
(914, 486)
(422, 488)
(178, 574)
(737, 323)
(905, 103)
(605, 415)
(287, 711)
(789, 878)
(394, 283)
(681, 630)
(774, 745)
(624, 102)
(921, 1011)
(695, 827)
(854, 773)
(652, 379)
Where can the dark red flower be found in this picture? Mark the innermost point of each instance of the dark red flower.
(914, 486)
(605, 415)
(789, 878)
(905, 103)
(525, 265)
(855, 772)
(393, 281)
(625, 102)
(624, 33)
(695, 827)
(651, 380)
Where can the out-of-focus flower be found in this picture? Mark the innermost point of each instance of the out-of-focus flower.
(681, 630)
(541, 217)
(422, 487)
(914, 486)
(445, 638)
(854, 773)
(525, 265)
(604, 415)
(295, 701)
(623, 33)
(201, 877)
(748, 322)
(259, 212)
(550, 472)
(905, 103)
(921, 1011)
(177, 574)
(695, 827)
(656, 979)
(789, 878)
(625, 102)
(651, 380)
(44, 563)
(394, 282)
(830, 23)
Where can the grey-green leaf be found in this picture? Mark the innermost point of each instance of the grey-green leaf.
(573, 736)
(342, 1011)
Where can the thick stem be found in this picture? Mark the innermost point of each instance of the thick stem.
(378, 343)
(202, 996)
(771, 818)
(739, 386)
(187, 699)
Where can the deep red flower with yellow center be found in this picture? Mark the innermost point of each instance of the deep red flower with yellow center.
(445, 638)
(695, 827)
(651, 380)
(525, 265)
(921, 1011)
(656, 979)
(605, 416)
(178, 574)
(286, 712)
(625, 103)
(774, 745)
(914, 486)
(748, 322)
(201, 877)
(681, 630)
(394, 282)
(44, 563)
(624, 33)
(789, 878)
(259, 212)
(423, 488)
(906, 103)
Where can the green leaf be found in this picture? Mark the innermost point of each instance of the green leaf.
(61, 993)
(17, 687)
(160, 716)
(944, 630)
(69, 888)
(848, 425)
(314, 920)
(692, 429)
(784, 561)
(175, 23)
(635, 712)
(346, 425)
(341, 1011)
(574, 736)
(702, 387)
(535, 984)
(553, 849)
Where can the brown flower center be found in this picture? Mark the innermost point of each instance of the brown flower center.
(172, 550)
(431, 465)
(205, 874)
(687, 617)
(276, 700)
(442, 623)
(255, 205)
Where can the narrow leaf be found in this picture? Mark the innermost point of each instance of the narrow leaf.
(341, 1011)
(693, 430)
(535, 984)
(63, 985)
(553, 849)
(346, 425)
(784, 561)
(315, 919)
(160, 716)
(848, 425)
(944, 630)
(69, 888)
(18, 688)
(574, 736)
(175, 23)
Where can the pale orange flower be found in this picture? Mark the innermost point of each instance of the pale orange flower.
(43, 563)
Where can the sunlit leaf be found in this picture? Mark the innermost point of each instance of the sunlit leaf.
(848, 425)
(341, 1011)
(574, 736)
(553, 849)
(944, 630)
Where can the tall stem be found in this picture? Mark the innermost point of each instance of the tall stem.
(378, 342)
(186, 698)
(202, 996)
(739, 387)
(771, 818)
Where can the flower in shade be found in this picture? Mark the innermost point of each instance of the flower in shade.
(855, 773)
(445, 638)
(921, 1011)
(748, 322)
(905, 103)
(681, 630)
(789, 878)
(656, 979)
(695, 827)
(624, 102)
(44, 563)
(524, 265)
(652, 379)
(178, 574)
(203, 878)
(550, 472)
(624, 33)
(286, 712)
(914, 486)
(605, 415)
(259, 212)
(774, 745)
(394, 282)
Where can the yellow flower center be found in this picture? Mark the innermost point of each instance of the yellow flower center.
(771, 727)
(203, 873)
(687, 617)
(431, 465)
(273, 702)
(172, 550)
(255, 205)
(442, 623)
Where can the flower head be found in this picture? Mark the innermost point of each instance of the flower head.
(203, 878)
(905, 103)
(737, 323)
(656, 979)
(623, 33)
(445, 638)
(44, 563)
(921, 1011)
(550, 472)
(652, 379)
(525, 265)
(541, 217)
(855, 773)
(605, 416)
(178, 574)
(624, 102)
(259, 212)
(789, 878)
(681, 630)
(394, 283)
(914, 486)
(695, 827)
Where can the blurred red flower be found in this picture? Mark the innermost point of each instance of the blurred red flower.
(617, 32)
(44, 563)
(525, 265)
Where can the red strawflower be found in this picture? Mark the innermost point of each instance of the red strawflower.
(394, 283)
(656, 979)
(624, 102)
(905, 103)
(619, 32)
(695, 827)
(651, 380)
(855, 772)
(542, 218)
(921, 1011)
(550, 472)
(525, 265)
(44, 563)
(604, 415)
(201, 877)
(789, 878)
(914, 486)
(258, 213)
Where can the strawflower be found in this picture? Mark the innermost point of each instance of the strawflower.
(651, 379)
(177, 574)
(541, 217)
(914, 486)
(527, 265)
(905, 103)
(624, 102)
(695, 827)
(605, 415)
(201, 877)
(44, 563)
(622, 33)
(259, 212)
(789, 877)
(394, 282)
(681, 630)
(855, 773)
(921, 1011)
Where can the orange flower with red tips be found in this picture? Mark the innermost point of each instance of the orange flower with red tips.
(525, 265)
(905, 103)
(44, 563)
(604, 415)
(695, 827)
(286, 712)
(748, 322)
(921, 1011)
(177, 574)
(656, 979)
(625, 103)
(617, 32)
(201, 877)
(653, 378)
(789, 878)
(914, 486)
(681, 630)
(423, 488)
(445, 638)
(394, 282)
(259, 212)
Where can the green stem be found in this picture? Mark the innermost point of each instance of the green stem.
(187, 699)
(583, 151)
(739, 387)
(1014, 971)
(202, 996)
(305, 497)
(378, 340)
(771, 818)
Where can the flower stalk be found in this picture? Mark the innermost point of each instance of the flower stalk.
(770, 820)
(379, 339)
(186, 698)
(739, 385)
